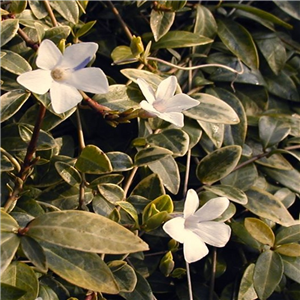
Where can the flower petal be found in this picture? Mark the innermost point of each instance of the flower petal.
(193, 248)
(180, 102)
(48, 55)
(175, 118)
(146, 90)
(149, 108)
(212, 209)
(191, 203)
(91, 80)
(37, 81)
(77, 56)
(213, 233)
(175, 229)
(166, 89)
(63, 97)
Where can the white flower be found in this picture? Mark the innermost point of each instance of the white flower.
(163, 103)
(195, 228)
(64, 74)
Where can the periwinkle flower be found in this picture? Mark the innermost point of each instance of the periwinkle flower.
(163, 103)
(196, 228)
(64, 74)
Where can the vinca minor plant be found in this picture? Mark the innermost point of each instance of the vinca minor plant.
(150, 150)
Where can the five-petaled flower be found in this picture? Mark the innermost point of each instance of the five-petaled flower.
(64, 74)
(163, 103)
(195, 228)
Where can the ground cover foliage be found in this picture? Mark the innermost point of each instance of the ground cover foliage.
(85, 193)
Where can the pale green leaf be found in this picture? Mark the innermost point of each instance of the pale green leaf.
(292, 267)
(120, 161)
(288, 235)
(111, 192)
(14, 63)
(67, 9)
(9, 246)
(9, 29)
(160, 23)
(246, 290)
(68, 173)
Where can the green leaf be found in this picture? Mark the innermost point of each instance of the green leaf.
(120, 161)
(14, 63)
(265, 205)
(130, 209)
(6, 164)
(150, 154)
(272, 130)
(34, 252)
(124, 275)
(291, 249)
(239, 41)
(292, 267)
(86, 270)
(260, 231)
(288, 178)
(290, 7)
(93, 160)
(38, 9)
(85, 28)
(288, 235)
(22, 277)
(111, 192)
(218, 164)
(232, 193)
(84, 231)
(273, 50)
(213, 110)
(56, 34)
(46, 293)
(173, 139)
(11, 292)
(150, 187)
(160, 23)
(168, 171)
(9, 29)
(193, 129)
(205, 23)
(267, 273)
(247, 291)
(9, 246)
(119, 97)
(123, 55)
(68, 173)
(260, 13)
(17, 7)
(214, 132)
(181, 39)
(68, 10)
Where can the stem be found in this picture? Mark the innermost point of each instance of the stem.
(50, 12)
(196, 67)
(129, 180)
(118, 16)
(189, 280)
(29, 43)
(187, 172)
(213, 274)
(80, 131)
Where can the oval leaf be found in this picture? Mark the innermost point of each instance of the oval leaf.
(120, 161)
(160, 23)
(291, 249)
(14, 63)
(150, 154)
(288, 235)
(68, 173)
(9, 28)
(247, 290)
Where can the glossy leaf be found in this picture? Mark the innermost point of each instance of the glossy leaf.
(9, 28)
(160, 23)
(68, 173)
(14, 63)
(212, 110)
(93, 160)
(168, 171)
(265, 205)
(246, 290)
(150, 154)
(292, 267)
(291, 249)
(218, 164)
(68, 10)
(267, 273)
(22, 277)
(17, 7)
(175, 140)
(83, 269)
(84, 231)
(120, 161)
(56, 34)
(38, 9)
(239, 41)
(124, 275)
(290, 7)
(9, 246)
(46, 293)
(260, 231)
(232, 193)
(130, 209)
(123, 55)
(111, 192)
(205, 23)
(181, 39)
(85, 28)
(214, 131)
(11, 292)
(288, 235)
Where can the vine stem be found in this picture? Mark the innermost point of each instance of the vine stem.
(129, 180)
(213, 274)
(189, 280)
(50, 12)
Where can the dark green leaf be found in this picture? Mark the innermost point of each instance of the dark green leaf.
(288, 235)
(214, 131)
(120, 161)
(160, 23)
(290, 7)
(11, 292)
(68, 173)
(292, 267)
(111, 192)
(150, 154)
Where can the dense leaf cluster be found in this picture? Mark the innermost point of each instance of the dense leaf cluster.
(85, 193)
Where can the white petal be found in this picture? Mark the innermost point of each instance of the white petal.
(212, 209)
(191, 203)
(91, 80)
(146, 90)
(175, 118)
(166, 88)
(77, 56)
(175, 229)
(180, 102)
(37, 81)
(48, 55)
(149, 108)
(63, 97)
(193, 248)
(214, 233)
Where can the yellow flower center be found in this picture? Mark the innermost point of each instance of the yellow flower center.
(58, 74)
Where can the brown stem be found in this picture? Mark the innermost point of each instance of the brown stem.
(50, 12)
(29, 43)
(213, 274)
(103, 110)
